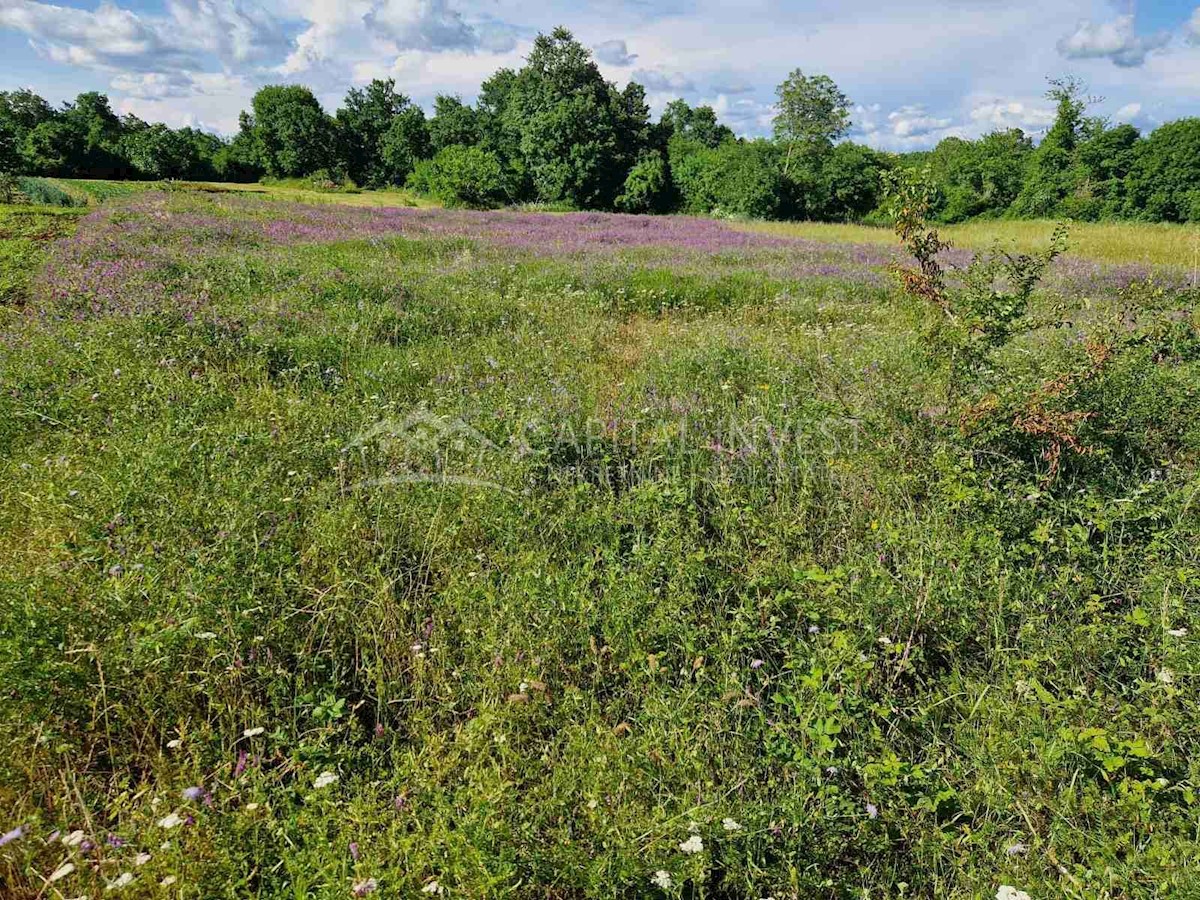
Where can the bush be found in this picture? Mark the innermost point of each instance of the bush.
(461, 176)
(648, 186)
(47, 193)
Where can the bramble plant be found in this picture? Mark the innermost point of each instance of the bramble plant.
(988, 305)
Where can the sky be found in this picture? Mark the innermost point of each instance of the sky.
(916, 71)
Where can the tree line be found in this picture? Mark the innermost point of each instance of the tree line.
(556, 132)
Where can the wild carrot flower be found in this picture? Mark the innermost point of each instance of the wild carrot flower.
(730, 825)
(74, 839)
(141, 859)
(170, 821)
(1177, 632)
(253, 732)
(694, 844)
(432, 888)
(325, 779)
(661, 879)
(168, 881)
(1166, 676)
(1008, 892)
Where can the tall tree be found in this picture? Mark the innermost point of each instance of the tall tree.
(574, 126)
(364, 120)
(292, 134)
(812, 114)
(453, 123)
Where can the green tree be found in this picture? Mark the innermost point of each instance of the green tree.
(292, 134)
(1163, 184)
(697, 124)
(812, 114)
(576, 131)
(647, 187)
(54, 147)
(1052, 174)
(453, 123)
(363, 123)
(405, 143)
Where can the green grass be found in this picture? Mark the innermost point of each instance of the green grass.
(1116, 242)
(25, 232)
(883, 654)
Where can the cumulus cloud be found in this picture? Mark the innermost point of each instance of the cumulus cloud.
(114, 38)
(1116, 40)
(422, 25)
(1000, 114)
(665, 82)
(733, 87)
(915, 121)
(167, 85)
(615, 53)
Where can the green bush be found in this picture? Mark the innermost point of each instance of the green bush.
(461, 176)
(47, 193)
(648, 187)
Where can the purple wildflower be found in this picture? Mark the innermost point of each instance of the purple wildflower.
(115, 841)
(193, 793)
(240, 766)
(14, 835)
(757, 664)
(354, 850)
(872, 811)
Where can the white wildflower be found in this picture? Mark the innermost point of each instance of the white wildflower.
(1016, 849)
(1177, 632)
(141, 859)
(61, 872)
(661, 879)
(694, 844)
(592, 804)
(170, 821)
(1166, 676)
(123, 880)
(432, 888)
(251, 807)
(1008, 892)
(730, 825)
(252, 732)
(168, 881)
(74, 839)
(324, 780)
(206, 635)
(175, 744)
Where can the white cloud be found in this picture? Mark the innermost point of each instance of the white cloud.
(914, 121)
(1128, 113)
(112, 38)
(664, 82)
(422, 25)
(1192, 28)
(1001, 114)
(1116, 40)
(615, 53)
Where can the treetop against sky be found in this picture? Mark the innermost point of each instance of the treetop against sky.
(916, 71)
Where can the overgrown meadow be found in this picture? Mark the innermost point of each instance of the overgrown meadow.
(418, 552)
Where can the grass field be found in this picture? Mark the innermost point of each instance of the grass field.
(1117, 242)
(352, 551)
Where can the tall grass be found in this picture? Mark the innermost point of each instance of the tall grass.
(343, 555)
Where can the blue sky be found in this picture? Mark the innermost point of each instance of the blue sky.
(917, 70)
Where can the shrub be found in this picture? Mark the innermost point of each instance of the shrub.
(461, 176)
(648, 187)
(47, 193)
